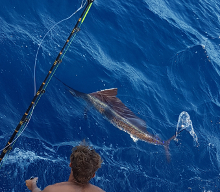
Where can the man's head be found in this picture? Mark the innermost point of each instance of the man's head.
(84, 162)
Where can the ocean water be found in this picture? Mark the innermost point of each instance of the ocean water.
(163, 56)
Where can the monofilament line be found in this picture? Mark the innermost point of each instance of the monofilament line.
(83, 3)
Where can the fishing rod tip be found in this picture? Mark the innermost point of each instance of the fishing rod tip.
(90, 1)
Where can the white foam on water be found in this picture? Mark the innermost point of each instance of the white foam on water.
(184, 123)
(25, 157)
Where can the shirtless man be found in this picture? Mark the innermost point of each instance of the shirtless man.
(84, 162)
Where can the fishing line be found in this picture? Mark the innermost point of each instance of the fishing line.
(83, 3)
(21, 130)
(29, 112)
(10, 146)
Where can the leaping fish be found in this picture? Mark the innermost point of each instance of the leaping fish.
(112, 108)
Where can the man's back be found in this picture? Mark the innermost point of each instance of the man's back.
(84, 162)
(71, 187)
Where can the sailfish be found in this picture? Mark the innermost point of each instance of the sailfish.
(113, 109)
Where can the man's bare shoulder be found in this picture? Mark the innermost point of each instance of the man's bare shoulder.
(95, 189)
(66, 187)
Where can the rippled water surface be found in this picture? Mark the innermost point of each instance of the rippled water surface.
(163, 56)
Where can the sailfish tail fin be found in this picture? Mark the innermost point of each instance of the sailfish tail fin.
(167, 143)
(166, 147)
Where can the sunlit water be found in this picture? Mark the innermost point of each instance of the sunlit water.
(163, 56)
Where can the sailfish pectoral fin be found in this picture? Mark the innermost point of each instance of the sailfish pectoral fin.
(85, 113)
(87, 108)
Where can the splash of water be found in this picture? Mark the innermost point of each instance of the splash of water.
(184, 123)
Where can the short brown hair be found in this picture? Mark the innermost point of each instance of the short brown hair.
(85, 162)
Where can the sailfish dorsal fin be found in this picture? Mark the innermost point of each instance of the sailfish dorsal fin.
(108, 96)
(106, 92)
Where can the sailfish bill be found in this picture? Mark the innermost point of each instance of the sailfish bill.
(120, 116)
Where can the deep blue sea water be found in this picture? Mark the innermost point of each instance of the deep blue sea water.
(163, 56)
